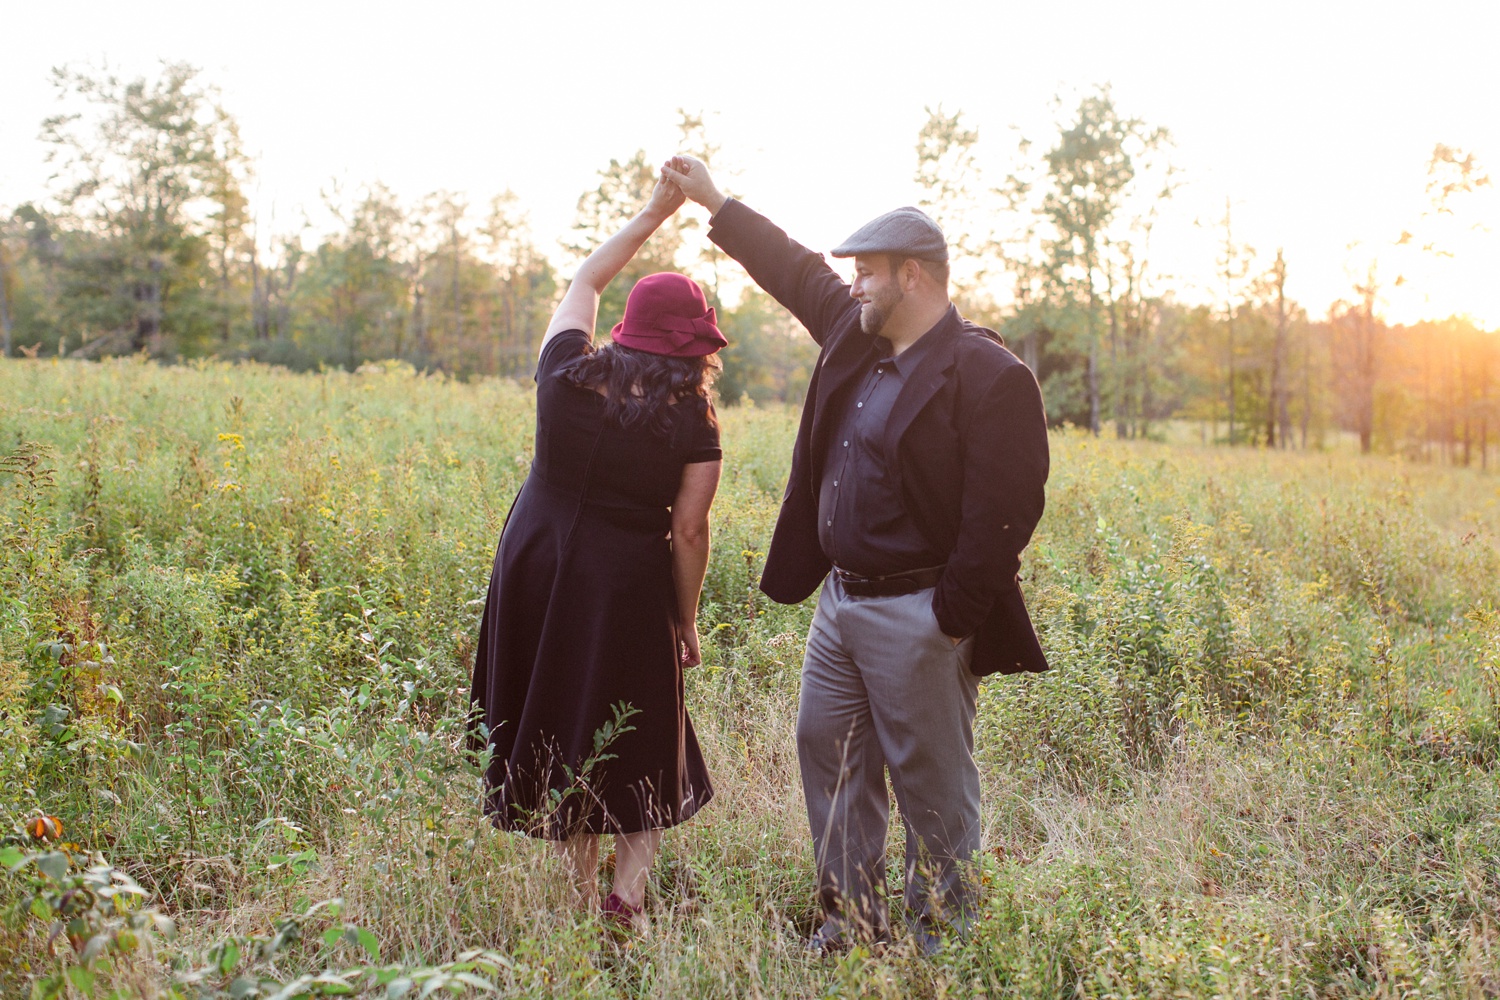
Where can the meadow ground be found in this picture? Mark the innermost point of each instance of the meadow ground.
(237, 611)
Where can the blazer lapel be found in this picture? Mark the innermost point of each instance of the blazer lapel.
(930, 376)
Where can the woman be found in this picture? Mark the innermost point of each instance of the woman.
(593, 604)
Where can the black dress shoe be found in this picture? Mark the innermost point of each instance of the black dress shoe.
(828, 939)
(834, 938)
(928, 938)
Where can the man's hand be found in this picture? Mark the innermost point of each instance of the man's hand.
(666, 198)
(692, 177)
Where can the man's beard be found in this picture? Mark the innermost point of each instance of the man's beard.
(874, 315)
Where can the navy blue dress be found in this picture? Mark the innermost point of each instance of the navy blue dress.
(580, 624)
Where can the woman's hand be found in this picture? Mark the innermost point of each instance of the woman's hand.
(666, 198)
(690, 654)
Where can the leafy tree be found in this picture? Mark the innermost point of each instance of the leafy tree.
(1091, 174)
(7, 294)
(770, 358)
(524, 287)
(1234, 264)
(230, 246)
(350, 299)
(136, 162)
(953, 193)
(1278, 409)
(1358, 341)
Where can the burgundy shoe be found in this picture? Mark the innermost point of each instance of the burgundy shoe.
(617, 914)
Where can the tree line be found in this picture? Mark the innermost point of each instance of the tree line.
(147, 241)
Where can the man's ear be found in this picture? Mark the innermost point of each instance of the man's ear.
(910, 274)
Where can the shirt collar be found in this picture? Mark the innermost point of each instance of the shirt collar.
(906, 362)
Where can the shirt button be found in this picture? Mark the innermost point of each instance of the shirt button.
(859, 406)
(846, 444)
(836, 482)
(830, 524)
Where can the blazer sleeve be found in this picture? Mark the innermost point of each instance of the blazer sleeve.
(793, 275)
(1005, 458)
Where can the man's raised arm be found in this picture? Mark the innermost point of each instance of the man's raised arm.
(795, 276)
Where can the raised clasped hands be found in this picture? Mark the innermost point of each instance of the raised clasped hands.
(666, 198)
(692, 177)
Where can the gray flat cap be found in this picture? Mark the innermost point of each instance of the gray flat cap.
(907, 231)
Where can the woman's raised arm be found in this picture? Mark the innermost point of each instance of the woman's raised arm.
(579, 308)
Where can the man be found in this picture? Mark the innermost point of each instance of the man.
(917, 479)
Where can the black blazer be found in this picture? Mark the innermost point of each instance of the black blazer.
(966, 439)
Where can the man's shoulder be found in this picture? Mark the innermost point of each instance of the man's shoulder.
(983, 348)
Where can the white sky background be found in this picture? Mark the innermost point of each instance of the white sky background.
(1316, 118)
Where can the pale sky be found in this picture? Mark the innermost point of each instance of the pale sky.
(1316, 118)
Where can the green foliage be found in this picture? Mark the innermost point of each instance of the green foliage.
(237, 616)
(769, 359)
(81, 923)
(135, 160)
(245, 967)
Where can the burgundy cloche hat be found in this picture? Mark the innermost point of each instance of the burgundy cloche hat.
(667, 314)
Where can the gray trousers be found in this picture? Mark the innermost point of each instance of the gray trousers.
(883, 688)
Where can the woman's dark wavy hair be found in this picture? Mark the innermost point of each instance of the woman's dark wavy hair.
(641, 388)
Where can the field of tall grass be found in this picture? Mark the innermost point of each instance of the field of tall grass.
(238, 608)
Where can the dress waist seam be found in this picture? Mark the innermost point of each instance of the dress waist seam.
(582, 497)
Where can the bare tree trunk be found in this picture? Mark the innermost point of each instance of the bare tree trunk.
(1466, 393)
(1229, 310)
(260, 297)
(458, 310)
(1145, 322)
(1366, 360)
(1427, 429)
(5, 341)
(1230, 331)
(1278, 423)
(1135, 344)
(1093, 379)
(1485, 372)
(148, 295)
(1116, 389)
(419, 321)
(1093, 371)
(1306, 381)
(224, 334)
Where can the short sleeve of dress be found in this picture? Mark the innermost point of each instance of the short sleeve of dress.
(562, 348)
(705, 443)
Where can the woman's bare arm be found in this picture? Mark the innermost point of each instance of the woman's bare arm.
(695, 495)
(579, 308)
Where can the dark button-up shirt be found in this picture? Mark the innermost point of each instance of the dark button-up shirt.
(862, 524)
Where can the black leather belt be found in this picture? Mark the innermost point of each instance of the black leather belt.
(889, 585)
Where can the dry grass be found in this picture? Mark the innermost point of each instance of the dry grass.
(1263, 764)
